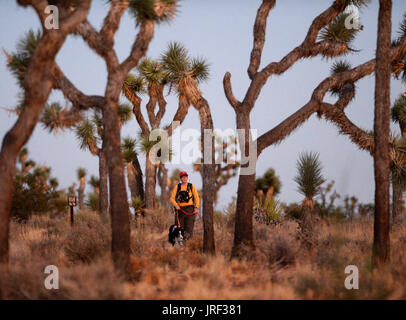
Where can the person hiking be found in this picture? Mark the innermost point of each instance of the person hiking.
(186, 202)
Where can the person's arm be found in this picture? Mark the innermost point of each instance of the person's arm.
(196, 197)
(173, 196)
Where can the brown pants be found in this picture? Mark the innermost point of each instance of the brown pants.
(186, 221)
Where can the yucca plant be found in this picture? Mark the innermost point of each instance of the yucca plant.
(309, 177)
(124, 113)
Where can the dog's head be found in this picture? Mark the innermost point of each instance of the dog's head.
(176, 235)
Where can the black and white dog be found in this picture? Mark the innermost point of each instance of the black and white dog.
(176, 235)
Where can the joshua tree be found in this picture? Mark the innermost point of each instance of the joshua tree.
(151, 79)
(95, 183)
(81, 172)
(269, 185)
(185, 73)
(327, 36)
(134, 172)
(37, 87)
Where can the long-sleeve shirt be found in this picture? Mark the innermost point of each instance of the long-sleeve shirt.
(190, 202)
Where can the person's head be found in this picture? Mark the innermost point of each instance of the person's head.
(183, 176)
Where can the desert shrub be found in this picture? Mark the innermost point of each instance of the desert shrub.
(268, 210)
(35, 194)
(281, 252)
(293, 211)
(88, 239)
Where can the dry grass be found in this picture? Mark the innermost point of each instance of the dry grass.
(280, 267)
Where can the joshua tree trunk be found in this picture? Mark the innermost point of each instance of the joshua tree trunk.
(208, 175)
(381, 246)
(150, 183)
(163, 183)
(119, 211)
(81, 192)
(37, 89)
(138, 178)
(243, 235)
(135, 183)
(397, 201)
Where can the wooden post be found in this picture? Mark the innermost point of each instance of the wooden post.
(72, 202)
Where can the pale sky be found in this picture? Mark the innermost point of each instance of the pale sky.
(221, 32)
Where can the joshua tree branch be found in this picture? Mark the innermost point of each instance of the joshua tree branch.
(140, 46)
(229, 91)
(112, 21)
(79, 100)
(308, 48)
(259, 36)
(316, 102)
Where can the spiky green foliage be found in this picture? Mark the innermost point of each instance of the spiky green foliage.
(152, 71)
(85, 133)
(94, 182)
(97, 119)
(30, 163)
(398, 111)
(398, 166)
(18, 61)
(270, 208)
(177, 62)
(402, 28)
(309, 177)
(148, 10)
(81, 173)
(337, 32)
(134, 83)
(338, 67)
(268, 180)
(129, 149)
(54, 183)
(137, 204)
(51, 117)
(125, 112)
(200, 69)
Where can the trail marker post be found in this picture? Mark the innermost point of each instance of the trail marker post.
(72, 202)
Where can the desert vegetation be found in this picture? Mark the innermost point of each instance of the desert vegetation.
(258, 247)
